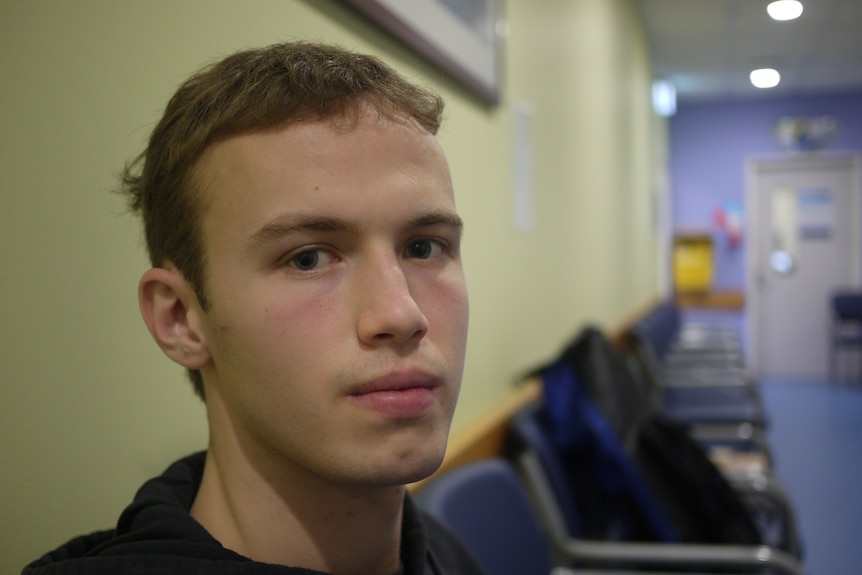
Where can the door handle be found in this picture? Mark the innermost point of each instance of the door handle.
(782, 262)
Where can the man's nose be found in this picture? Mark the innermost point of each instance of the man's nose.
(388, 313)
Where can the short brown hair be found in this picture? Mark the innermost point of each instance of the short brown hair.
(250, 91)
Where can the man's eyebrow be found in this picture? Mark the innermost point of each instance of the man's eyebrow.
(438, 218)
(285, 225)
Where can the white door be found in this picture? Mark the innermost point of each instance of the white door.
(804, 242)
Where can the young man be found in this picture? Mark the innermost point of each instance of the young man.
(300, 219)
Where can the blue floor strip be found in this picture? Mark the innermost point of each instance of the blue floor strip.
(816, 437)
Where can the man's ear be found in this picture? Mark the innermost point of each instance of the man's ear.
(171, 311)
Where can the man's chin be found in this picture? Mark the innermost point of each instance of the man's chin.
(411, 469)
(423, 472)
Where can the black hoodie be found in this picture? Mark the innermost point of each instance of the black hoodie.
(155, 535)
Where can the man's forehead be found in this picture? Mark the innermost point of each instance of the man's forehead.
(293, 176)
(342, 126)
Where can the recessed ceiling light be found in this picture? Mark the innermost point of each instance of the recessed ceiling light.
(785, 9)
(765, 78)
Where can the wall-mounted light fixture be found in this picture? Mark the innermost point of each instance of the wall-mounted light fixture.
(664, 98)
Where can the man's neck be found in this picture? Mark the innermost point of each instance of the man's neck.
(296, 519)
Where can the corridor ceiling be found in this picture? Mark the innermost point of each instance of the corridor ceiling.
(708, 47)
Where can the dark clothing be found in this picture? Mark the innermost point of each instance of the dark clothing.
(155, 535)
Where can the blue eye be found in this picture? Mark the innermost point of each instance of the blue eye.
(424, 249)
(308, 260)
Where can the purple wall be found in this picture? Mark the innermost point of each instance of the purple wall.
(709, 143)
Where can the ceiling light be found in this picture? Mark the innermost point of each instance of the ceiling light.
(765, 78)
(785, 9)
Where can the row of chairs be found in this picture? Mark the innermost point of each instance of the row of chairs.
(695, 374)
(603, 474)
(487, 505)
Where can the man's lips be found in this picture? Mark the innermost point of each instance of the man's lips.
(399, 394)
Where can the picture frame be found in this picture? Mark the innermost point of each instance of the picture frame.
(459, 36)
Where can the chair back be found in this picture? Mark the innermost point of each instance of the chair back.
(847, 306)
(487, 507)
(529, 433)
(588, 486)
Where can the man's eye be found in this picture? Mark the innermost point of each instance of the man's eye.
(424, 249)
(309, 260)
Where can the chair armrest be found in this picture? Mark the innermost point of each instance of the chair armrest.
(660, 555)
(707, 377)
(682, 555)
(745, 433)
(574, 571)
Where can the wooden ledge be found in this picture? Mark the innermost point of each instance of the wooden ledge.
(725, 300)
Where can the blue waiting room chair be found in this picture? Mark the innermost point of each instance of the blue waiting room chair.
(845, 332)
(695, 384)
(721, 417)
(630, 535)
(487, 506)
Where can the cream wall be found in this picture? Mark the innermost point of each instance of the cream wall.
(90, 408)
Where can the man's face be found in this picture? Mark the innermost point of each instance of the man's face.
(338, 318)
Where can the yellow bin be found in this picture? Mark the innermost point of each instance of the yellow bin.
(692, 263)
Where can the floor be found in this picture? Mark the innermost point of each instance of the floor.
(816, 437)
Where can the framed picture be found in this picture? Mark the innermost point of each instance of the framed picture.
(459, 36)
